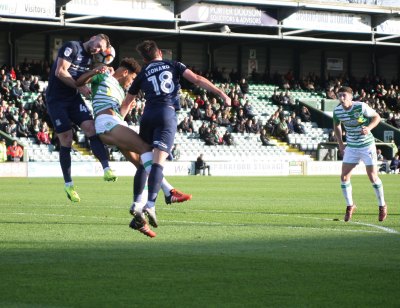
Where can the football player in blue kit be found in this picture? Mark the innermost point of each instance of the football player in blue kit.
(159, 81)
(65, 104)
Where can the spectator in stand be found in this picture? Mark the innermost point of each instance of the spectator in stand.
(15, 113)
(200, 101)
(23, 129)
(236, 103)
(252, 126)
(214, 104)
(272, 123)
(240, 126)
(209, 137)
(185, 126)
(3, 120)
(216, 134)
(288, 99)
(202, 130)
(195, 112)
(176, 152)
(200, 164)
(244, 87)
(305, 114)
(17, 93)
(282, 130)
(209, 113)
(248, 110)
(224, 120)
(292, 122)
(383, 164)
(240, 115)
(35, 127)
(395, 164)
(186, 102)
(330, 93)
(12, 74)
(275, 97)
(299, 127)
(11, 128)
(15, 152)
(3, 150)
(25, 83)
(228, 138)
(34, 85)
(264, 138)
(26, 116)
(5, 87)
(43, 136)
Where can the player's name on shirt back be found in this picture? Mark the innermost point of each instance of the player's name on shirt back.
(155, 68)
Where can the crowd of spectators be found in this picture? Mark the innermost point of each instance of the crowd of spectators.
(19, 119)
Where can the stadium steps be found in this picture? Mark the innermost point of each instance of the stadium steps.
(82, 152)
(289, 148)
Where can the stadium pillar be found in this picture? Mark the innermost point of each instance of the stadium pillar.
(374, 62)
(179, 50)
(268, 63)
(322, 65)
(239, 60)
(296, 64)
(349, 63)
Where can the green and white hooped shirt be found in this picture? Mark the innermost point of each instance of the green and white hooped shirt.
(106, 93)
(353, 120)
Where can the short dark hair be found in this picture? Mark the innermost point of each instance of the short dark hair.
(147, 49)
(345, 89)
(104, 37)
(131, 65)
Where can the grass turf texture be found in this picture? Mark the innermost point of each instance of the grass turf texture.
(240, 242)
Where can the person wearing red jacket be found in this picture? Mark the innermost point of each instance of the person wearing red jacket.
(15, 152)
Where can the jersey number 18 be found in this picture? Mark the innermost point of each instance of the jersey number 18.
(163, 84)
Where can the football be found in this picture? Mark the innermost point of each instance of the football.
(105, 57)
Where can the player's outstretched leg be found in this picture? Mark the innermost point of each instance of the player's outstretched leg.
(177, 196)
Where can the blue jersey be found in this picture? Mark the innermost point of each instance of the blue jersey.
(159, 80)
(81, 61)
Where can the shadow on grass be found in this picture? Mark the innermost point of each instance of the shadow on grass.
(203, 270)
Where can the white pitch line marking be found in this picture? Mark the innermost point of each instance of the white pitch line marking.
(385, 229)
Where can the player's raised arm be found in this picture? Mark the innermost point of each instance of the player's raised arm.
(87, 77)
(63, 74)
(206, 84)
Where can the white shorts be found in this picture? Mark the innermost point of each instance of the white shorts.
(365, 154)
(106, 122)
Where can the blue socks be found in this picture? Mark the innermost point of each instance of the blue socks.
(139, 182)
(65, 162)
(154, 182)
(99, 150)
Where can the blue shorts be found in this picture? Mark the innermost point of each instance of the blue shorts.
(63, 112)
(158, 127)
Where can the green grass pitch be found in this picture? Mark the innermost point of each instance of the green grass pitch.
(240, 242)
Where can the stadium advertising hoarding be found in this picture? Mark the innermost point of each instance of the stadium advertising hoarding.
(131, 9)
(391, 26)
(227, 14)
(329, 21)
(339, 4)
(43, 9)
